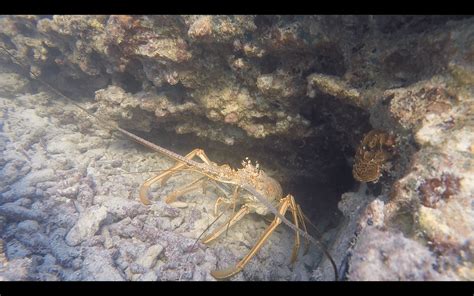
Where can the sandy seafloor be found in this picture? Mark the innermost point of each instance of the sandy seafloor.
(61, 171)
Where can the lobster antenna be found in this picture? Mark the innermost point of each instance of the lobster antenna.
(207, 228)
(324, 248)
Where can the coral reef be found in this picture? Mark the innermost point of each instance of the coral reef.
(298, 93)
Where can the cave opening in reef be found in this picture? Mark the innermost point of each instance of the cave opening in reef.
(316, 170)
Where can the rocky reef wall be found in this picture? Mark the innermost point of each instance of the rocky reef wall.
(297, 93)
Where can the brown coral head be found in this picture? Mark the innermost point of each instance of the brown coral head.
(435, 189)
(430, 192)
(451, 184)
(366, 172)
(372, 153)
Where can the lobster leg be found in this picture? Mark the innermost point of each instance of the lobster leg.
(232, 200)
(166, 175)
(195, 153)
(301, 217)
(190, 187)
(244, 210)
(294, 211)
(228, 272)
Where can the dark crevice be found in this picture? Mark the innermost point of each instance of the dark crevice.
(315, 170)
(269, 64)
(74, 87)
(389, 24)
(329, 60)
(128, 82)
(264, 120)
(263, 22)
(53, 53)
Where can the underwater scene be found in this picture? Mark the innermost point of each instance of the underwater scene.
(236, 148)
